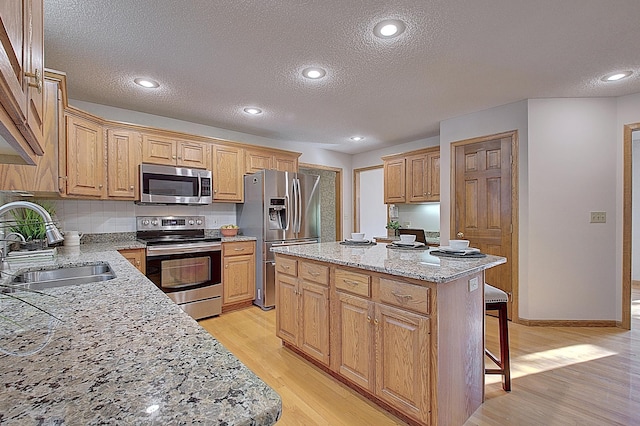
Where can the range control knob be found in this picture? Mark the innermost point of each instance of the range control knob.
(191, 222)
(199, 222)
(145, 222)
(154, 222)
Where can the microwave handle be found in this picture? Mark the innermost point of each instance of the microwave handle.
(199, 186)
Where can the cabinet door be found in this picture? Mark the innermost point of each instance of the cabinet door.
(286, 164)
(287, 303)
(238, 279)
(123, 156)
(258, 160)
(314, 328)
(402, 360)
(394, 181)
(193, 154)
(228, 172)
(159, 150)
(136, 257)
(85, 158)
(417, 178)
(35, 66)
(356, 347)
(433, 180)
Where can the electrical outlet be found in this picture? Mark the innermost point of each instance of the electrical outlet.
(473, 284)
(598, 217)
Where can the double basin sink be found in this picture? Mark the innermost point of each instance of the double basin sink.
(60, 277)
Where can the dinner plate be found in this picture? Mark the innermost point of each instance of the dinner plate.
(352, 241)
(447, 249)
(411, 244)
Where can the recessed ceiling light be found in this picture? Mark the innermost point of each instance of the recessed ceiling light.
(314, 73)
(357, 138)
(253, 110)
(616, 76)
(389, 28)
(145, 82)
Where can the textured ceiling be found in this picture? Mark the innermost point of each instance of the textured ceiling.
(213, 58)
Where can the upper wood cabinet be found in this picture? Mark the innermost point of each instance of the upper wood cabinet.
(43, 177)
(227, 166)
(258, 159)
(85, 165)
(173, 152)
(22, 77)
(412, 177)
(124, 153)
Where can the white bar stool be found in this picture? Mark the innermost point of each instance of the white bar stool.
(496, 300)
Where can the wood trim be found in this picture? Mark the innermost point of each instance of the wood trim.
(409, 153)
(339, 173)
(513, 134)
(627, 179)
(567, 323)
(356, 199)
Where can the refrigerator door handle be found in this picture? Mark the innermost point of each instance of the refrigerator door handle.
(294, 190)
(287, 211)
(299, 204)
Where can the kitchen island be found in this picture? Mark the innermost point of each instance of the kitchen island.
(118, 352)
(402, 326)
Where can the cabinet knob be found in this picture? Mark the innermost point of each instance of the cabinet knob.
(131, 187)
(173, 156)
(375, 321)
(369, 319)
(460, 234)
(100, 186)
(38, 79)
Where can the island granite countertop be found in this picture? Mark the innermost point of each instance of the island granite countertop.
(412, 263)
(121, 353)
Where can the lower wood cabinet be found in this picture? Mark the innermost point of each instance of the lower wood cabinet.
(238, 273)
(302, 307)
(137, 257)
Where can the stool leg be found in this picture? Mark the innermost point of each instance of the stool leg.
(504, 347)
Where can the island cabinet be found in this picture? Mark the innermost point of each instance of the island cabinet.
(382, 339)
(258, 159)
(137, 257)
(228, 170)
(170, 151)
(302, 301)
(412, 177)
(22, 78)
(238, 274)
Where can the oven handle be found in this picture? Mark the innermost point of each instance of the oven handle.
(159, 250)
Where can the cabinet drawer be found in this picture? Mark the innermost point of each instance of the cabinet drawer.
(285, 265)
(405, 295)
(238, 248)
(353, 282)
(314, 272)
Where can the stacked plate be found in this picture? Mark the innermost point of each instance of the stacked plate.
(351, 241)
(461, 252)
(413, 244)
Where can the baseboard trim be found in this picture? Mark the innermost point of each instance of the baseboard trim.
(568, 323)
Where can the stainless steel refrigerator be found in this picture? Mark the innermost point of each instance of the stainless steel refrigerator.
(280, 208)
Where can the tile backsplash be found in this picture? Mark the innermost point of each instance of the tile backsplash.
(103, 217)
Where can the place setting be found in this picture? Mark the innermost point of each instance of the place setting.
(407, 242)
(458, 249)
(357, 240)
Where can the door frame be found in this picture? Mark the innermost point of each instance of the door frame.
(338, 203)
(627, 179)
(513, 258)
(356, 198)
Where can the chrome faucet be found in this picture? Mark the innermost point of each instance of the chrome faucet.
(52, 233)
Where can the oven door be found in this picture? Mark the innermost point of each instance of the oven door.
(178, 272)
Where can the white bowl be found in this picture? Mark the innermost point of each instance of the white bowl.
(357, 236)
(459, 244)
(407, 238)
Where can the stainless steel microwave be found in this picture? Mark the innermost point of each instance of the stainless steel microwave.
(174, 185)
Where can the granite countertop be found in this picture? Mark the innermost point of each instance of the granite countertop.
(121, 353)
(411, 263)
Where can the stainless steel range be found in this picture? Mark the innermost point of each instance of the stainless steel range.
(184, 263)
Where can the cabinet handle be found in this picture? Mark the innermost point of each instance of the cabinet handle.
(285, 266)
(350, 282)
(239, 249)
(403, 298)
(37, 77)
(375, 321)
(369, 319)
(314, 274)
(460, 234)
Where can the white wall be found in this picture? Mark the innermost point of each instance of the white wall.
(316, 154)
(420, 216)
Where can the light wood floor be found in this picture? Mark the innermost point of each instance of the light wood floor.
(561, 376)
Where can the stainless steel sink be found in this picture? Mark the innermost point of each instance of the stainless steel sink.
(61, 277)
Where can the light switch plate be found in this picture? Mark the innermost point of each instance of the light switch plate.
(598, 217)
(473, 284)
